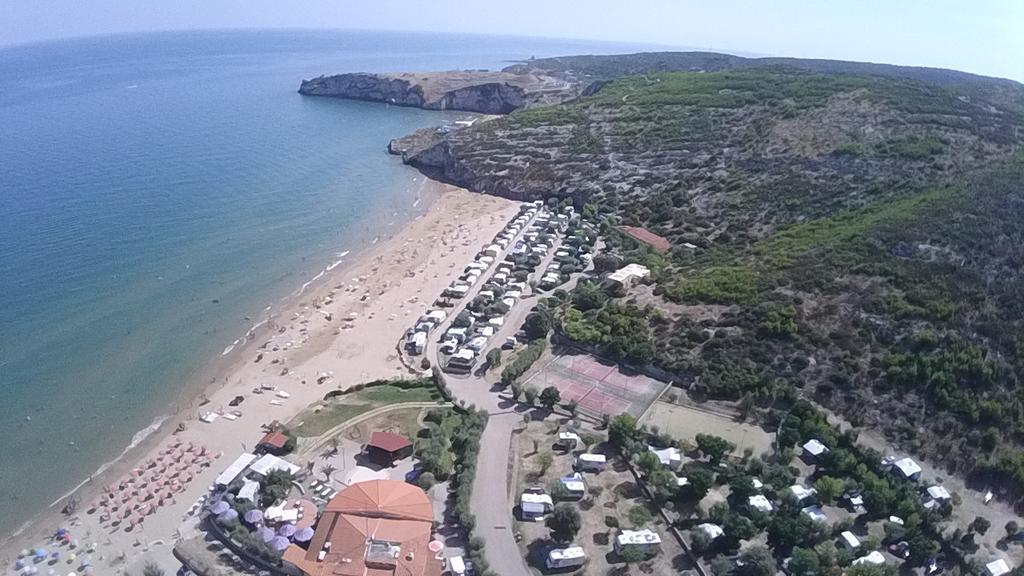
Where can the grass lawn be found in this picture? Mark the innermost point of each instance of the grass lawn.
(323, 416)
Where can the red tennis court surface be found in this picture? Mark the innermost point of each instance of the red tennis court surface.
(598, 387)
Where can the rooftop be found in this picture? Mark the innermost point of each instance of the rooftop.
(388, 442)
(644, 235)
(380, 527)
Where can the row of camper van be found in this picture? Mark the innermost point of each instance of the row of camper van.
(416, 337)
(464, 343)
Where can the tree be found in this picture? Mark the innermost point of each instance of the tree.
(606, 263)
(736, 528)
(426, 481)
(757, 561)
(1012, 528)
(639, 516)
(537, 325)
(700, 482)
(648, 462)
(828, 488)
(494, 357)
(921, 549)
(980, 525)
(588, 296)
(622, 429)
(545, 462)
(572, 406)
(740, 489)
(714, 447)
(549, 397)
(699, 541)
(531, 395)
(664, 484)
(633, 554)
(152, 569)
(564, 523)
(785, 532)
(327, 470)
(805, 562)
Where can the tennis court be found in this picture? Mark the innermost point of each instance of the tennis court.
(598, 387)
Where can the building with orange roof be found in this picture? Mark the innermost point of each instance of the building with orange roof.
(375, 528)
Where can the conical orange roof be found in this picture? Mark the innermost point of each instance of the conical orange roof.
(383, 498)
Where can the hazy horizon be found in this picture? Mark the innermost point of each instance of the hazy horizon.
(981, 39)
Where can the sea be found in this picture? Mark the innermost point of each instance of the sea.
(160, 194)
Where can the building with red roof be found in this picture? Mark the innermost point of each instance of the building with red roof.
(375, 528)
(384, 448)
(659, 243)
(275, 442)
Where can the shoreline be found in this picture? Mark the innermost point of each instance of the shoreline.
(448, 211)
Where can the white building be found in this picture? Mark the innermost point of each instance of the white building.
(815, 513)
(939, 493)
(814, 449)
(629, 274)
(534, 506)
(907, 468)
(802, 493)
(997, 567)
(566, 557)
(667, 456)
(849, 540)
(645, 540)
(712, 531)
(760, 503)
(875, 558)
(574, 485)
(568, 440)
(591, 462)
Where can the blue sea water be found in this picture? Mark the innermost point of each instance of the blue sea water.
(157, 193)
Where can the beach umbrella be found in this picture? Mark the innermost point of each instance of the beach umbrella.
(279, 543)
(220, 507)
(303, 534)
(435, 546)
(40, 554)
(228, 516)
(62, 531)
(287, 530)
(265, 534)
(19, 564)
(253, 516)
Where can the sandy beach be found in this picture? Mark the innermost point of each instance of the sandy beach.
(341, 330)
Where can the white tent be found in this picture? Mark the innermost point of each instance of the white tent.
(237, 467)
(248, 490)
(268, 463)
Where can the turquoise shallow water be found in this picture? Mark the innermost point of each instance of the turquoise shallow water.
(157, 190)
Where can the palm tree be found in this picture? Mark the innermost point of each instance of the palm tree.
(151, 569)
(327, 470)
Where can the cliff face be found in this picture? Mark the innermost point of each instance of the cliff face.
(369, 87)
(483, 92)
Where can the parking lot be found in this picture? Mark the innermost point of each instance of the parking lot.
(598, 387)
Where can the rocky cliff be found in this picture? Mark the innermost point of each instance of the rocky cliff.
(484, 92)
(369, 87)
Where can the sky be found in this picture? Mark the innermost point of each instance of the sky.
(981, 36)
